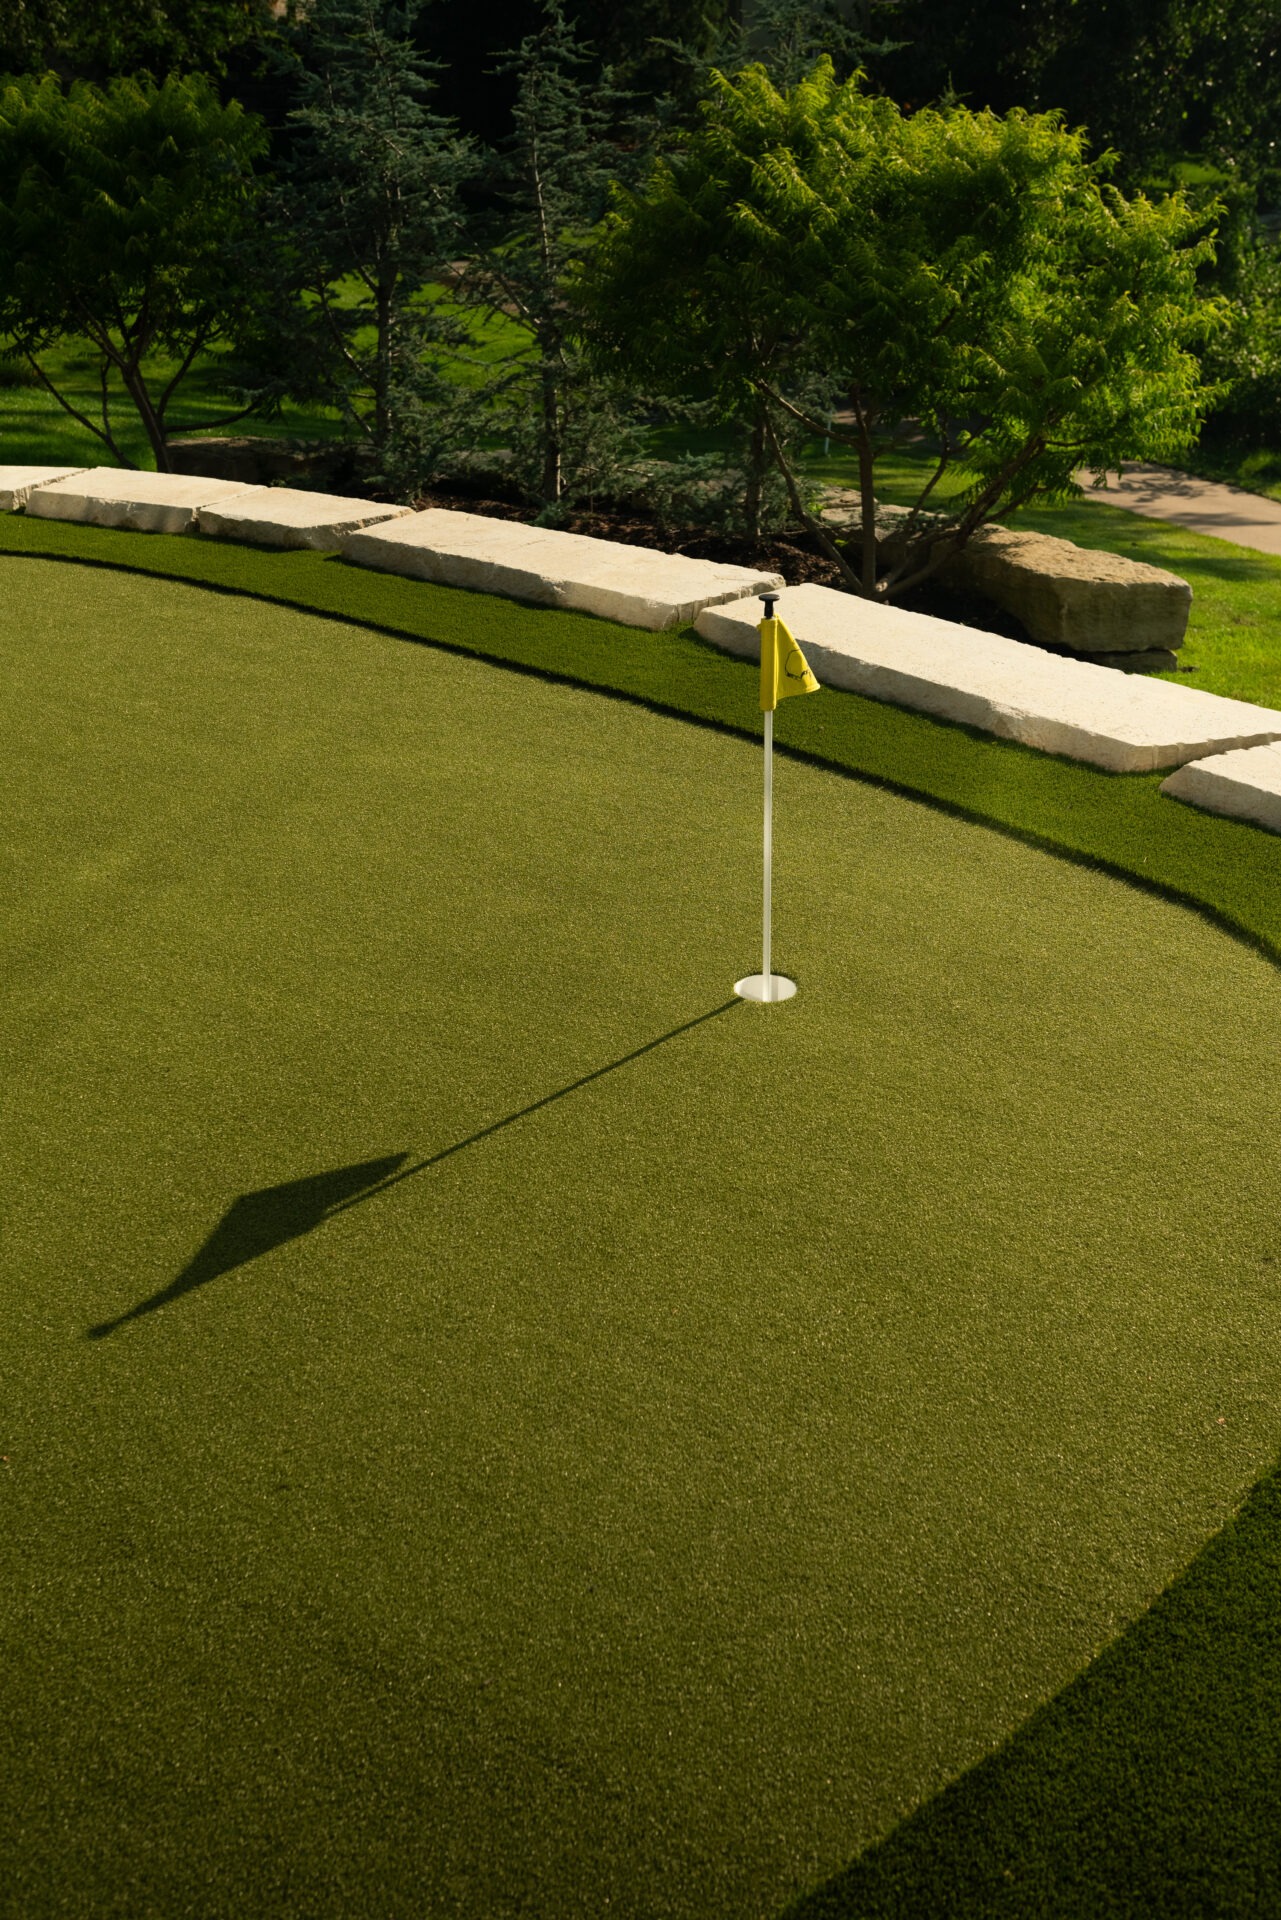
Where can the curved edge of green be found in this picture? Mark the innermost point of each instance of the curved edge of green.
(1149, 1786)
(1151, 1782)
(1226, 869)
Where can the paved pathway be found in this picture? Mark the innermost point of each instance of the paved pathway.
(1203, 506)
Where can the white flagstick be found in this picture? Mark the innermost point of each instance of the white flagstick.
(767, 986)
(766, 975)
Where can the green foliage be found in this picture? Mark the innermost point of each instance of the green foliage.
(100, 37)
(127, 221)
(785, 37)
(969, 273)
(1158, 80)
(1244, 361)
(370, 214)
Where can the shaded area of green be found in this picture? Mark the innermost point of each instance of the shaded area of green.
(1149, 1786)
(738, 1423)
(36, 431)
(1228, 868)
(1233, 644)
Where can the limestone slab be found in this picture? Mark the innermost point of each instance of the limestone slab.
(637, 586)
(121, 497)
(18, 483)
(1123, 722)
(1245, 784)
(289, 516)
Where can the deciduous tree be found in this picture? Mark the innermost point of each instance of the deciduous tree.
(1160, 81)
(973, 274)
(127, 222)
(99, 38)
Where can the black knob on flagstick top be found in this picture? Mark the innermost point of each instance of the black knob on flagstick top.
(769, 601)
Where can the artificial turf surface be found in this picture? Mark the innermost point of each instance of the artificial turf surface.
(492, 1427)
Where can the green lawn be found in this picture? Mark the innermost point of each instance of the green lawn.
(492, 1425)
(35, 429)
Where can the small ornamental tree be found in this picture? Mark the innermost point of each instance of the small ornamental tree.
(126, 221)
(971, 274)
(370, 213)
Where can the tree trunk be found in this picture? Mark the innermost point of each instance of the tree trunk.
(756, 463)
(136, 387)
(553, 480)
(382, 362)
(867, 504)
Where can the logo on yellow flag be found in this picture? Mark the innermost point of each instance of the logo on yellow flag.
(784, 668)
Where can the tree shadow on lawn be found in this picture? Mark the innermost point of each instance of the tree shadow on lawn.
(1150, 1786)
(255, 1223)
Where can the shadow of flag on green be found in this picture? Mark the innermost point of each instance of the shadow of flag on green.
(256, 1222)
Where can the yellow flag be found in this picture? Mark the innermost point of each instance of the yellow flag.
(784, 668)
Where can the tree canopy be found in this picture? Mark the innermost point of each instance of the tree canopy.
(128, 223)
(99, 38)
(1159, 81)
(972, 272)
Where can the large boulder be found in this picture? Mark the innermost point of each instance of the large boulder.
(1077, 600)
(1080, 598)
(256, 462)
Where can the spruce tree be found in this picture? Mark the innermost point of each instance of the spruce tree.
(371, 210)
(566, 428)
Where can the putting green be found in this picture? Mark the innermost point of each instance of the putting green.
(492, 1427)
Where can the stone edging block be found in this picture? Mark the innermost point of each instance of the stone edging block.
(1245, 784)
(17, 484)
(132, 501)
(289, 516)
(637, 586)
(1113, 720)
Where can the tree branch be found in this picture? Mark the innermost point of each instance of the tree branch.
(824, 429)
(815, 527)
(223, 420)
(98, 433)
(183, 369)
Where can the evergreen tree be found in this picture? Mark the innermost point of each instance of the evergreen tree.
(370, 209)
(571, 138)
(785, 37)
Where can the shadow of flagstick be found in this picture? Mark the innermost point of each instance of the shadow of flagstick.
(255, 1223)
(523, 1113)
